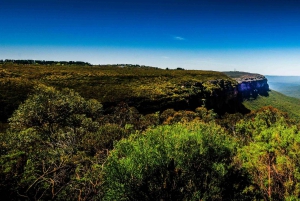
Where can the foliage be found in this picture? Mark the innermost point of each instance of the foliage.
(206, 115)
(142, 87)
(177, 162)
(229, 121)
(13, 91)
(57, 143)
(48, 110)
(277, 100)
(104, 138)
(270, 154)
(3, 127)
(170, 116)
(149, 120)
(42, 153)
(121, 115)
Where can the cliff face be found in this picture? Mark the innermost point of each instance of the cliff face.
(220, 95)
(227, 96)
(250, 85)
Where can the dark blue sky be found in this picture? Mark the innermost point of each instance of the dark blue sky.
(170, 27)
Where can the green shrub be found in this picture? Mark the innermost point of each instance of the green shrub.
(270, 154)
(177, 162)
(42, 157)
(104, 138)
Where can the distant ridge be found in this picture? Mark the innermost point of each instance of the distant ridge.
(287, 85)
(43, 62)
(240, 74)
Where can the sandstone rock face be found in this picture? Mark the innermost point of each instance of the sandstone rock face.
(227, 96)
(252, 85)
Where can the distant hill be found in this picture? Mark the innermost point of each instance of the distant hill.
(288, 85)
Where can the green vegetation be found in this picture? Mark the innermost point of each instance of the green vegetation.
(178, 162)
(270, 154)
(60, 146)
(284, 103)
(145, 88)
(76, 133)
(44, 154)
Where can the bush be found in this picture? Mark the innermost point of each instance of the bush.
(42, 157)
(269, 152)
(177, 162)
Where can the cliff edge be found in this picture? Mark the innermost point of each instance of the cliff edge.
(250, 85)
(147, 89)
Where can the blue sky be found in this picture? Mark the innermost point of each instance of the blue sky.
(246, 35)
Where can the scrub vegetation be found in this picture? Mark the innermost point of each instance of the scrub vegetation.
(61, 140)
(108, 84)
(286, 104)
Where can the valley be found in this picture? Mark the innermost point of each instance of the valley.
(287, 85)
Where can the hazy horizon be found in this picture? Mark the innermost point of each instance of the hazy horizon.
(252, 36)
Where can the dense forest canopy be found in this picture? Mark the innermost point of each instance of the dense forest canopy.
(79, 132)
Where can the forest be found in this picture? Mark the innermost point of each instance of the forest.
(121, 132)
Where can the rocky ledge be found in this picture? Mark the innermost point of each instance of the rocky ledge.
(250, 85)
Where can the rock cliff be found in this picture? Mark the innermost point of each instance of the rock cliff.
(250, 85)
(221, 95)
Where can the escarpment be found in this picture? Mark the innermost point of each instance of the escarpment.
(250, 85)
(147, 89)
(219, 94)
